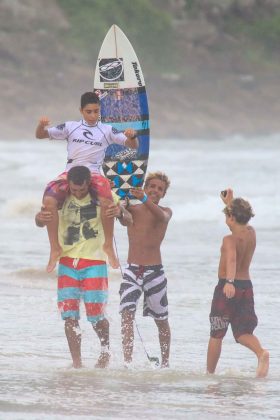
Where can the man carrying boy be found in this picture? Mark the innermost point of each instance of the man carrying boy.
(87, 141)
(82, 268)
(233, 300)
(144, 272)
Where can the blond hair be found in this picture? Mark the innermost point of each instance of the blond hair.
(158, 175)
(240, 209)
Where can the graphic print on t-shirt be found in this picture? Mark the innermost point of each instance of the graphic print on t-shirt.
(78, 224)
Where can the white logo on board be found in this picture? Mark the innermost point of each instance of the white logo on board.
(111, 70)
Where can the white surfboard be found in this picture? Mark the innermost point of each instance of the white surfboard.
(120, 84)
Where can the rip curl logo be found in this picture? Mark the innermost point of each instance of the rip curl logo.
(87, 134)
(111, 70)
(90, 141)
(60, 126)
(115, 130)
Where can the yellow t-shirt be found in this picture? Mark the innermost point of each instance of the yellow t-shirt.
(80, 230)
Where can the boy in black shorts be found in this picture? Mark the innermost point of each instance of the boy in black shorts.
(233, 300)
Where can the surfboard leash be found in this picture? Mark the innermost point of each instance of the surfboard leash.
(152, 359)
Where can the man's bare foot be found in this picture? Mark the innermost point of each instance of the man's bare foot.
(263, 365)
(77, 364)
(127, 365)
(164, 365)
(103, 360)
(54, 256)
(112, 258)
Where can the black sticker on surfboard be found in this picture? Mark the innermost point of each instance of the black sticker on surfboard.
(111, 70)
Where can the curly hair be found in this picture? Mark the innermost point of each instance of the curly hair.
(240, 209)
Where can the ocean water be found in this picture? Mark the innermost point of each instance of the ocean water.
(36, 381)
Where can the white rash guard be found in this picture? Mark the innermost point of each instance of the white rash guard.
(86, 144)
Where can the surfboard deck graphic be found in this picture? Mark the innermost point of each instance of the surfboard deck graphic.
(120, 84)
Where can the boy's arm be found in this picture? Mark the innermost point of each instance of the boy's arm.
(230, 257)
(131, 138)
(41, 132)
(43, 217)
(227, 196)
(120, 212)
(160, 213)
(125, 217)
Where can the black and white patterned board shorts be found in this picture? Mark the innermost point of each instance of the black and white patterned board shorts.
(147, 279)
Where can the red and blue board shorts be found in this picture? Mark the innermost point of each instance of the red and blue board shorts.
(238, 311)
(80, 278)
(59, 188)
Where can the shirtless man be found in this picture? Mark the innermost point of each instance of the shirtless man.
(233, 300)
(144, 272)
